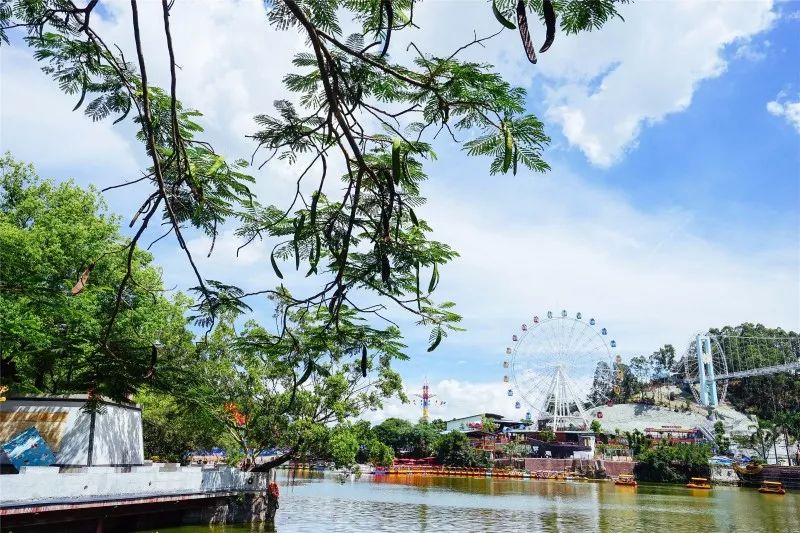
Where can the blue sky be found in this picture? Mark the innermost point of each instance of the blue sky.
(673, 204)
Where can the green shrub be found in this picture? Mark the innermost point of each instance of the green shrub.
(673, 463)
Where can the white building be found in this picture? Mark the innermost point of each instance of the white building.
(110, 437)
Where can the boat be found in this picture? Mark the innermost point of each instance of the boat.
(698, 483)
(626, 480)
(772, 487)
(754, 475)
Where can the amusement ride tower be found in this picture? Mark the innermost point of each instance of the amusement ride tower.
(426, 398)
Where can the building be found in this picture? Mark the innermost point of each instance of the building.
(111, 436)
(475, 422)
(676, 434)
(487, 441)
(470, 422)
(558, 445)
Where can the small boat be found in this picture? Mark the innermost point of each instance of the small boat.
(698, 483)
(772, 487)
(626, 480)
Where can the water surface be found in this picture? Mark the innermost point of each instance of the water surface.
(437, 504)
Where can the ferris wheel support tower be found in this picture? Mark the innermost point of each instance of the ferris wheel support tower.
(705, 371)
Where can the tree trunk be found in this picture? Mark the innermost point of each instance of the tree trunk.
(775, 447)
(266, 467)
(786, 440)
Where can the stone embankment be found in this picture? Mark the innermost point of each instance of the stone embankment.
(129, 498)
(585, 466)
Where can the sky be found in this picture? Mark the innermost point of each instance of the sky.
(673, 204)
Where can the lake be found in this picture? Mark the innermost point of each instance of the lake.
(437, 504)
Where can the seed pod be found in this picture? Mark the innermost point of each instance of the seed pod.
(314, 257)
(413, 217)
(333, 303)
(550, 23)
(275, 264)
(390, 204)
(389, 24)
(151, 369)
(82, 280)
(516, 157)
(434, 278)
(298, 227)
(364, 361)
(329, 229)
(416, 278)
(313, 208)
(386, 268)
(509, 147)
(500, 18)
(83, 96)
(522, 21)
(396, 167)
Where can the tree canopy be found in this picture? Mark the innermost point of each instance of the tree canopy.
(765, 396)
(283, 392)
(61, 266)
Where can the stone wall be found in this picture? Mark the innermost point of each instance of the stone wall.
(612, 468)
(615, 468)
(724, 475)
(244, 508)
(535, 464)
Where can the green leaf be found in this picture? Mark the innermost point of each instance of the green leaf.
(218, 162)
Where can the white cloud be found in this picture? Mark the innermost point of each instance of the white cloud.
(794, 15)
(461, 397)
(751, 51)
(561, 242)
(230, 63)
(37, 124)
(606, 86)
(789, 110)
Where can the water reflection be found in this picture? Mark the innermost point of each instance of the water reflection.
(418, 503)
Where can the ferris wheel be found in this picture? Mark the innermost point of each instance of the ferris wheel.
(561, 367)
